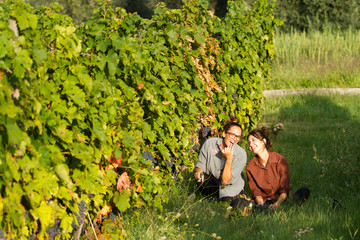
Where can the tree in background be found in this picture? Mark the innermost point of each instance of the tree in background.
(296, 14)
(318, 14)
(78, 10)
(81, 10)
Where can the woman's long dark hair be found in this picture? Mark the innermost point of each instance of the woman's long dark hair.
(262, 134)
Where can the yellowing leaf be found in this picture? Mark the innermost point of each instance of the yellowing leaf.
(65, 225)
(139, 189)
(46, 215)
(123, 182)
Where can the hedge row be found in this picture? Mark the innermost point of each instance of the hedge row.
(95, 119)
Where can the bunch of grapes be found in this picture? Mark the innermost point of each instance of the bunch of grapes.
(196, 147)
(171, 162)
(112, 216)
(91, 196)
(206, 131)
(235, 96)
(80, 216)
(82, 207)
(54, 230)
(149, 157)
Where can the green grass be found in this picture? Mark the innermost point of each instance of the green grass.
(316, 59)
(321, 142)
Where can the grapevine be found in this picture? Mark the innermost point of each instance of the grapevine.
(117, 97)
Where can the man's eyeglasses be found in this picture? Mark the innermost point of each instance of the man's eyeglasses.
(234, 136)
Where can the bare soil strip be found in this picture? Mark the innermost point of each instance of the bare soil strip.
(282, 92)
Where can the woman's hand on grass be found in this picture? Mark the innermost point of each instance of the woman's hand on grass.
(280, 200)
(273, 206)
(259, 200)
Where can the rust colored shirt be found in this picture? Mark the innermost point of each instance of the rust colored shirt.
(271, 180)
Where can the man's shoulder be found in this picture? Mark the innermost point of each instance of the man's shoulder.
(213, 141)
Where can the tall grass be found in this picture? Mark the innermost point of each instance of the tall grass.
(320, 140)
(316, 46)
(316, 59)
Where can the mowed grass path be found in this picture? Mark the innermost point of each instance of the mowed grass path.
(321, 142)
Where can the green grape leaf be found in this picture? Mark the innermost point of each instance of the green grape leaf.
(62, 172)
(66, 223)
(25, 19)
(121, 200)
(45, 214)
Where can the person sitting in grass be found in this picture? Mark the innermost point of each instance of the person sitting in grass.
(268, 172)
(220, 165)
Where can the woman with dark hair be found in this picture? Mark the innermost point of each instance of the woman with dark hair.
(268, 172)
(221, 162)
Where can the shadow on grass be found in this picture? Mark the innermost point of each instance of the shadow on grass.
(320, 140)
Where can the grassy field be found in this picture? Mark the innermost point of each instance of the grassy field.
(316, 59)
(321, 142)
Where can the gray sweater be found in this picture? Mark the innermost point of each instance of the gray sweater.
(212, 162)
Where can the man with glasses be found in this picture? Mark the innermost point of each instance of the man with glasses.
(220, 165)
